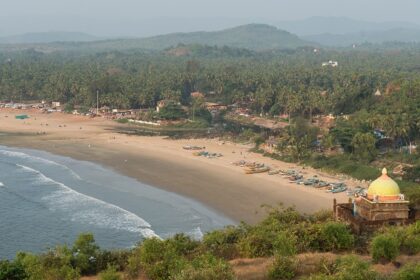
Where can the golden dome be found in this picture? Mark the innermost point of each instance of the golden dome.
(384, 188)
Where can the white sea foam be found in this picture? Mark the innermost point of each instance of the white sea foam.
(1, 184)
(38, 159)
(89, 210)
(196, 234)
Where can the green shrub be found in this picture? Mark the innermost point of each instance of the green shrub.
(172, 111)
(353, 268)
(57, 264)
(206, 267)
(408, 272)
(347, 268)
(336, 236)
(12, 271)
(32, 265)
(117, 258)
(411, 242)
(69, 107)
(110, 274)
(159, 260)
(85, 253)
(65, 272)
(322, 216)
(133, 267)
(258, 242)
(284, 216)
(308, 235)
(385, 247)
(283, 268)
(182, 244)
(285, 244)
(123, 120)
(223, 242)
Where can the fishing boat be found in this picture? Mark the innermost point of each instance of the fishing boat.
(310, 182)
(257, 170)
(193, 148)
(21, 117)
(322, 184)
(339, 189)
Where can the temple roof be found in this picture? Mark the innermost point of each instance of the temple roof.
(384, 186)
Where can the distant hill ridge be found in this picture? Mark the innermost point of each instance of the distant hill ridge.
(258, 37)
(251, 36)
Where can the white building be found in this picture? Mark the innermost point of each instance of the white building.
(330, 63)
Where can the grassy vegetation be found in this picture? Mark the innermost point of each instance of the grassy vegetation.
(343, 164)
(283, 235)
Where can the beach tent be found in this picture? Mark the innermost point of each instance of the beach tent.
(22, 117)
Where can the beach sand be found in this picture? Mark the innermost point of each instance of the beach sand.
(164, 164)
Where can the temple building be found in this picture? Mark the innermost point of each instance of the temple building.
(383, 204)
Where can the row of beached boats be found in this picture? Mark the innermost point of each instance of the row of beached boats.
(294, 176)
(207, 154)
(315, 182)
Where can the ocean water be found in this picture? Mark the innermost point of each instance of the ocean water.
(46, 200)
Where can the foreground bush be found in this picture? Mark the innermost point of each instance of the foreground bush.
(223, 243)
(11, 271)
(283, 268)
(336, 237)
(85, 254)
(347, 268)
(353, 268)
(258, 242)
(206, 267)
(160, 261)
(411, 241)
(110, 274)
(285, 244)
(385, 247)
(408, 272)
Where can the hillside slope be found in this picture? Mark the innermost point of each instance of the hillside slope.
(258, 37)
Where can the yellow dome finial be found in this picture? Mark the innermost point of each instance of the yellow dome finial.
(384, 171)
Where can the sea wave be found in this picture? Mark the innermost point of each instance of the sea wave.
(196, 234)
(89, 210)
(38, 159)
(1, 184)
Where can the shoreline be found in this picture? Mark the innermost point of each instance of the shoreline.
(163, 164)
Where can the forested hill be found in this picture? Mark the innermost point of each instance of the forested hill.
(258, 37)
(253, 36)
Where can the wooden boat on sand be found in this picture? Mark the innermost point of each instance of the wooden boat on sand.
(257, 170)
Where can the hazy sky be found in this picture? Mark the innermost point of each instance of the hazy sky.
(141, 17)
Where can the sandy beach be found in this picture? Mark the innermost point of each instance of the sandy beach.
(163, 163)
